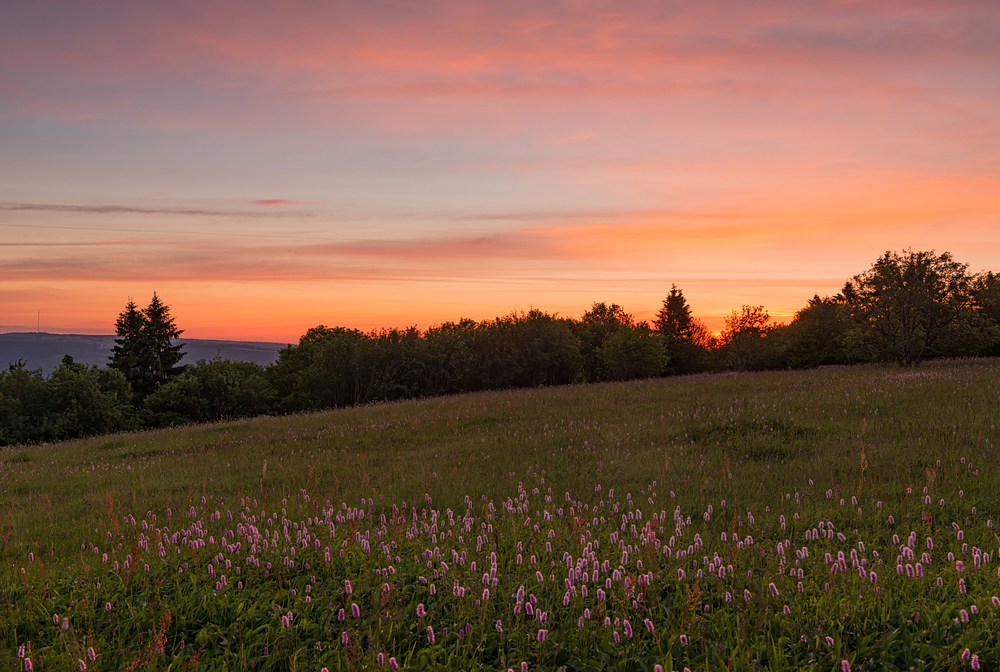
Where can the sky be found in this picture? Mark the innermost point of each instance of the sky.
(266, 167)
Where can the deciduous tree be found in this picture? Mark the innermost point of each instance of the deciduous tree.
(905, 303)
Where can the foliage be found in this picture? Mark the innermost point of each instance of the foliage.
(686, 339)
(906, 303)
(219, 389)
(748, 343)
(910, 307)
(145, 352)
(76, 400)
(817, 334)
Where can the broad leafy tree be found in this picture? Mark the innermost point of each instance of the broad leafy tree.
(818, 333)
(743, 340)
(905, 304)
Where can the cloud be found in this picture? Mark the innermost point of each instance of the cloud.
(272, 202)
(130, 210)
(224, 64)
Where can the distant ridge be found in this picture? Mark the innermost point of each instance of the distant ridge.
(45, 351)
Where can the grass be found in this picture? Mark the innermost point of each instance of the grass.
(118, 545)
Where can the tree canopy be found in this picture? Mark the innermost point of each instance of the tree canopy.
(907, 307)
(905, 303)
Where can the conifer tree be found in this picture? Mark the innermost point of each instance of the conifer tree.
(145, 352)
(674, 319)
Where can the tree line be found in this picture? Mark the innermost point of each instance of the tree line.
(908, 307)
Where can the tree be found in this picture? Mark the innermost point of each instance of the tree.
(817, 333)
(635, 352)
(683, 335)
(674, 319)
(742, 340)
(593, 329)
(219, 389)
(905, 303)
(145, 351)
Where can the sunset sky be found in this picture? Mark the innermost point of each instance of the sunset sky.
(266, 167)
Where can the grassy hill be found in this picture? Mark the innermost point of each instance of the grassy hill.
(763, 521)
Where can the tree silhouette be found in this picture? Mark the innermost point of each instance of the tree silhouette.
(145, 351)
(686, 339)
(905, 303)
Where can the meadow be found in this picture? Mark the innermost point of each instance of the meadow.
(842, 518)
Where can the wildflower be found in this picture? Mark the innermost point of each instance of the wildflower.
(430, 634)
(524, 667)
(657, 668)
(617, 637)
(355, 610)
(91, 654)
(542, 634)
(499, 625)
(340, 615)
(845, 666)
(684, 640)
(393, 665)
(381, 660)
(27, 665)
(82, 665)
(347, 586)
(649, 625)
(829, 641)
(975, 661)
(787, 610)
(964, 615)
(774, 589)
(421, 612)
(628, 629)
(966, 654)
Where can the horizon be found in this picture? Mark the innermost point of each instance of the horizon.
(373, 166)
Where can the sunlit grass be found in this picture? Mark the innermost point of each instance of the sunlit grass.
(720, 470)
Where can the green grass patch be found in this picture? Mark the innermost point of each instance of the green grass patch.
(759, 521)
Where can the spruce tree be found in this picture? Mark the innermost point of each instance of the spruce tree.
(144, 352)
(674, 319)
(159, 332)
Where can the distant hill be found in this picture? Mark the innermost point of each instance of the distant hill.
(45, 351)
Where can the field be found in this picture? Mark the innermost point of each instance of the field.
(832, 519)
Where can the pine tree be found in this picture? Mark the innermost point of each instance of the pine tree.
(674, 319)
(160, 331)
(144, 352)
(687, 339)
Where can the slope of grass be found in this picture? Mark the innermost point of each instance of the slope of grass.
(116, 545)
